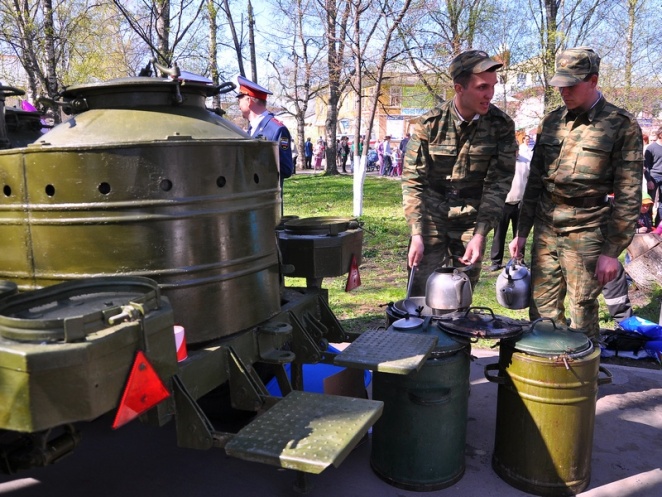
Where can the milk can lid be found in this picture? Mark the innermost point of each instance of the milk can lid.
(544, 338)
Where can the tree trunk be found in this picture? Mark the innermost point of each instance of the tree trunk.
(162, 14)
(235, 37)
(212, 13)
(251, 41)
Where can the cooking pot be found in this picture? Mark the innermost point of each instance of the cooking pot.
(448, 288)
(513, 286)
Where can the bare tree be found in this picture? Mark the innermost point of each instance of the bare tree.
(236, 38)
(163, 25)
(39, 33)
(337, 14)
(391, 19)
(432, 37)
(301, 74)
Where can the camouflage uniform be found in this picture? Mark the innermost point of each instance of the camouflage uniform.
(580, 159)
(455, 180)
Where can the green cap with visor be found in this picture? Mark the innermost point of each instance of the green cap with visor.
(573, 65)
(473, 61)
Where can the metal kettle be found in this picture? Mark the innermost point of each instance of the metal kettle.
(448, 288)
(513, 286)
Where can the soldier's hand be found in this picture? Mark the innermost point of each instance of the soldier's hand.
(474, 250)
(516, 247)
(416, 250)
(606, 269)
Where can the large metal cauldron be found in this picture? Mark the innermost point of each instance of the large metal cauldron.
(548, 384)
(144, 181)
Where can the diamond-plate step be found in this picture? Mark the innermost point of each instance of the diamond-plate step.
(306, 431)
(387, 351)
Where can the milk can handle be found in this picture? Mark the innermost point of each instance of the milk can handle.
(501, 380)
(430, 397)
(533, 325)
(608, 374)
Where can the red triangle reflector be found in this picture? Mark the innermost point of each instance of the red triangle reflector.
(353, 278)
(144, 389)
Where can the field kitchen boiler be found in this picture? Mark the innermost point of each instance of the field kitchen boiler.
(142, 213)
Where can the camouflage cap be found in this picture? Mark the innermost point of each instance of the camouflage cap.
(573, 65)
(472, 61)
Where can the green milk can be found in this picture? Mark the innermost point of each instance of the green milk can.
(419, 441)
(548, 383)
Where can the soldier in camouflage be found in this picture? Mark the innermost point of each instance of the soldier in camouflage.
(458, 167)
(585, 150)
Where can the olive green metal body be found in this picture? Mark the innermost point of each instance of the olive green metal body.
(144, 188)
(419, 442)
(60, 359)
(136, 185)
(545, 420)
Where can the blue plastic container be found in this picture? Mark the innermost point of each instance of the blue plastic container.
(313, 376)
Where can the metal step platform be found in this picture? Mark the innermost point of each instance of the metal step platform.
(388, 352)
(306, 431)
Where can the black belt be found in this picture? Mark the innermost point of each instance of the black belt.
(584, 202)
(466, 192)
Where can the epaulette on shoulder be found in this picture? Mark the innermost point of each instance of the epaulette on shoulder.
(279, 123)
(625, 113)
(431, 114)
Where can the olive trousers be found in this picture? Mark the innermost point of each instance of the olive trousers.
(564, 264)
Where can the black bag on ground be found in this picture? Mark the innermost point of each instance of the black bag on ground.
(620, 339)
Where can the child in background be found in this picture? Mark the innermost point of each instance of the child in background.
(645, 221)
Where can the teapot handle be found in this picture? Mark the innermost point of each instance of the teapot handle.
(449, 259)
(508, 267)
(459, 286)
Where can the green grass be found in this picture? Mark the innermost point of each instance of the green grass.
(383, 269)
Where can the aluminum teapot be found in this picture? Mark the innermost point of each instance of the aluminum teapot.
(513, 286)
(448, 288)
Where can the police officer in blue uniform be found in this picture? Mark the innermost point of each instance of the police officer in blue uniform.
(252, 100)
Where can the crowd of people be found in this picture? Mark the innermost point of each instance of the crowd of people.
(384, 158)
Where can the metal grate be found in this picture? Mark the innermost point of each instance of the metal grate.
(388, 351)
(306, 431)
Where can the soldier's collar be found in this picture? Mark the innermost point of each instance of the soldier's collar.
(590, 113)
(459, 118)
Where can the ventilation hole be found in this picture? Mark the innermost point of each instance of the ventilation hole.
(221, 181)
(50, 190)
(7, 191)
(166, 185)
(104, 188)
(256, 178)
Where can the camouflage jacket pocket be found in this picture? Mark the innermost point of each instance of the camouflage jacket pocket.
(480, 156)
(443, 159)
(550, 146)
(593, 160)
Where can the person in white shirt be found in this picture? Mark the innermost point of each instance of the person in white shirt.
(512, 205)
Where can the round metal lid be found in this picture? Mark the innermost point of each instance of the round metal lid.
(74, 308)
(479, 322)
(323, 225)
(545, 339)
(408, 323)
